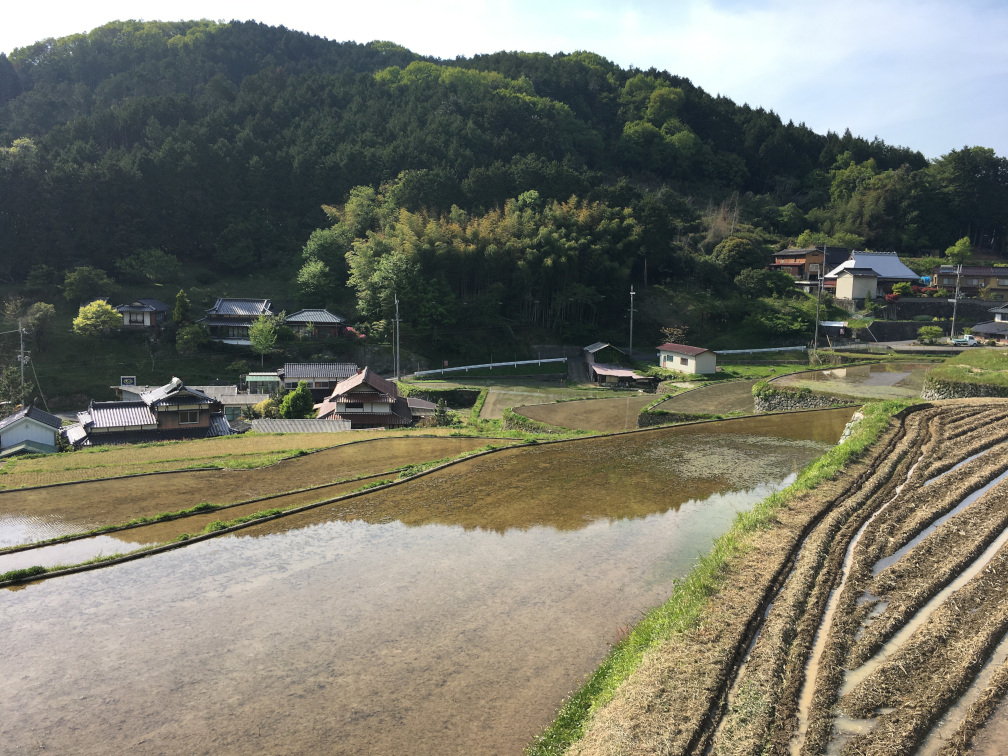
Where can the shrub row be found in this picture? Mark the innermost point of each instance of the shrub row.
(455, 398)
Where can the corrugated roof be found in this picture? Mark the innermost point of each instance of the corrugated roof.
(596, 347)
(615, 372)
(318, 317)
(690, 351)
(240, 308)
(886, 264)
(293, 371)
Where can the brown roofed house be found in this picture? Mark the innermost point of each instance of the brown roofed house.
(366, 400)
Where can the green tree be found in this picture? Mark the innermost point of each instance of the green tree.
(298, 403)
(86, 282)
(190, 338)
(96, 318)
(12, 394)
(180, 314)
(735, 254)
(903, 288)
(959, 252)
(263, 336)
(313, 280)
(150, 265)
(929, 334)
(38, 321)
(268, 408)
(442, 417)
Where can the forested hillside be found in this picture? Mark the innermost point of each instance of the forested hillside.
(515, 188)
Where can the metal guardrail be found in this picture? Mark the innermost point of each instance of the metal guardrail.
(768, 349)
(488, 366)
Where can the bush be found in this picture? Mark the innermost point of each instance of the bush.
(929, 334)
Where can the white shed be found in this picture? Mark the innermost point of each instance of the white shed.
(687, 359)
(31, 431)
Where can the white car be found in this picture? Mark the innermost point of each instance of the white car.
(966, 340)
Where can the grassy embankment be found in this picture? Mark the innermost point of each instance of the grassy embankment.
(684, 609)
(974, 372)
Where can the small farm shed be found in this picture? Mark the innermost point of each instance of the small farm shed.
(687, 359)
(605, 354)
(29, 431)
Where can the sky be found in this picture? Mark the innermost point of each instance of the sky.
(931, 75)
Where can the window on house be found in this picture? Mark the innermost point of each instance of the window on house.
(321, 384)
(1002, 282)
(355, 405)
(683, 361)
(188, 417)
(136, 318)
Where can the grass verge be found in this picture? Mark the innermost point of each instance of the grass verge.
(683, 610)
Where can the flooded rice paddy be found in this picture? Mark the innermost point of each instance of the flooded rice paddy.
(886, 380)
(450, 614)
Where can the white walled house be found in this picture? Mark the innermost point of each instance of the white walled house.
(687, 359)
(856, 283)
(31, 431)
(143, 313)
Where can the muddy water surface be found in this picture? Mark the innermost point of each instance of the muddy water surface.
(38, 513)
(886, 380)
(448, 629)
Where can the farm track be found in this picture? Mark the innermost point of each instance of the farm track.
(856, 623)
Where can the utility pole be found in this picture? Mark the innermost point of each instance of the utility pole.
(22, 360)
(396, 337)
(815, 348)
(631, 321)
(955, 302)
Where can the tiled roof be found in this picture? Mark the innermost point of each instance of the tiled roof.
(858, 272)
(991, 328)
(174, 392)
(240, 308)
(34, 413)
(366, 378)
(318, 317)
(143, 305)
(293, 371)
(266, 425)
(691, 351)
(886, 264)
(102, 415)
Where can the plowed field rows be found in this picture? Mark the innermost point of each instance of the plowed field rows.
(872, 620)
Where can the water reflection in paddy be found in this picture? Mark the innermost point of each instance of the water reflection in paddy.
(884, 380)
(350, 636)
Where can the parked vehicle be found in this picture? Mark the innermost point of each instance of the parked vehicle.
(967, 340)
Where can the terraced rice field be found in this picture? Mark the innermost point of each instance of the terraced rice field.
(872, 620)
(602, 415)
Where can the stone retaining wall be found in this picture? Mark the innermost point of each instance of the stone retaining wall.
(767, 398)
(935, 388)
